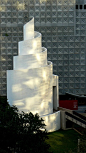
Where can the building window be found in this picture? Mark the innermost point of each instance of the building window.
(76, 6)
(80, 6)
(84, 6)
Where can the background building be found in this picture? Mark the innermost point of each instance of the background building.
(63, 27)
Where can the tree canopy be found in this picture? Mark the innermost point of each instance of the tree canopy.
(21, 132)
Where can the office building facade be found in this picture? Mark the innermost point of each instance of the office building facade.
(63, 27)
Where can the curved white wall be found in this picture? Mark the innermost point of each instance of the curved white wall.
(31, 89)
(30, 84)
(28, 30)
(31, 60)
(52, 121)
(30, 46)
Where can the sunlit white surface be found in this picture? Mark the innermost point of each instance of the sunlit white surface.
(30, 83)
(28, 30)
(52, 121)
(30, 46)
(31, 60)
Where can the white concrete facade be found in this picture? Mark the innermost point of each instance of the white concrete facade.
(31, 85)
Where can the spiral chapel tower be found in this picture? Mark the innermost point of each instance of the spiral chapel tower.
(31, 85)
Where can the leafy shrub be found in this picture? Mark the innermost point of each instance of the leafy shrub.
(21, 132)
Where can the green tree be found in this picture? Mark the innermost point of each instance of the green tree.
(82, 145)
(21, 132)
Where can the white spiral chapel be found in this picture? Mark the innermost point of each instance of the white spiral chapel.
(31, 85)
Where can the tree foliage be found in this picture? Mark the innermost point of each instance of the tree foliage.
(82, 146)
(21, 132)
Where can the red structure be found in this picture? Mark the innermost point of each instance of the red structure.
(69, 104)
